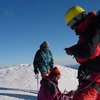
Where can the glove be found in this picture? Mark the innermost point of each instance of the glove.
(36, 71)
(51, 67)
(69, 51)
(71, 93)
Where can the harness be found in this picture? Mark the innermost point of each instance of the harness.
(95, 85)
(90, 83)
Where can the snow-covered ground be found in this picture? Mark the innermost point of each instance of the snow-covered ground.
(18, 82)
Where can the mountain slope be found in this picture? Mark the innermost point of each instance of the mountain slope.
(18, 82)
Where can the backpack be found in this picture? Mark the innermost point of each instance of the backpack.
(60, 96)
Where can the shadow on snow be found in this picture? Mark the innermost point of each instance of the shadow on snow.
(23, 90)
(21, 96)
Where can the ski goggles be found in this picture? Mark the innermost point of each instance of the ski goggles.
(77, 19)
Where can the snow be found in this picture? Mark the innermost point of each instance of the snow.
(18, 82)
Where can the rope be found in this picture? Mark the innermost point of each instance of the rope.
(87, 85)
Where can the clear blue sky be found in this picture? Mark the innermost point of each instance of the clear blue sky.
(25, 24)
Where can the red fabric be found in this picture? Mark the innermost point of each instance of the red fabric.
(95, 54)
(89, 93)
(98, 97)
(94, 74)
(55, 70)
(81, 28)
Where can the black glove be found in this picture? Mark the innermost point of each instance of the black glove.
(69, 51)
(51, 67)
(36, 71)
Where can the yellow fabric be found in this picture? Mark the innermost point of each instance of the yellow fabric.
(72, 13)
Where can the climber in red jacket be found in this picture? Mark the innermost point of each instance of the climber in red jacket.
(86, 51)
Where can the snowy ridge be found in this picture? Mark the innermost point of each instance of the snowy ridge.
(18, 82)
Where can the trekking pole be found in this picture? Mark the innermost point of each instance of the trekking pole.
(37, 77)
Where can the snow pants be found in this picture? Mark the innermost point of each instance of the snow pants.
(89, 93)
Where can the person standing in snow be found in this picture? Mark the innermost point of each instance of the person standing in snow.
(43, 60)
(86, 51)
(49, 87)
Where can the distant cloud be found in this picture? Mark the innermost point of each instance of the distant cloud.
(9, 13)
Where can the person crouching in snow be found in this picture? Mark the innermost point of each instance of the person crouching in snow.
(49, 87)
(86, 51)
(43, 60)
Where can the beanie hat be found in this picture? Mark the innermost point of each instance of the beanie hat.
(44, 45)
(55, 71)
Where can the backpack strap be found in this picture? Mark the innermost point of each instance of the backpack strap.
(55, 86)
(52, 87)
(58, 95)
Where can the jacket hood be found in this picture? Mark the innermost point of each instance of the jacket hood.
(45, 44)
(85, 23)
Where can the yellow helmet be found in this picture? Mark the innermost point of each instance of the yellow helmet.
(72, 13)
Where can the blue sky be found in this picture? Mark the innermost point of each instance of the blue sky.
(25, 24)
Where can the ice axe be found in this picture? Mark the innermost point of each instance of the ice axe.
(37, 77)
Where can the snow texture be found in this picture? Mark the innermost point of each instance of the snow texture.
(18, 82)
